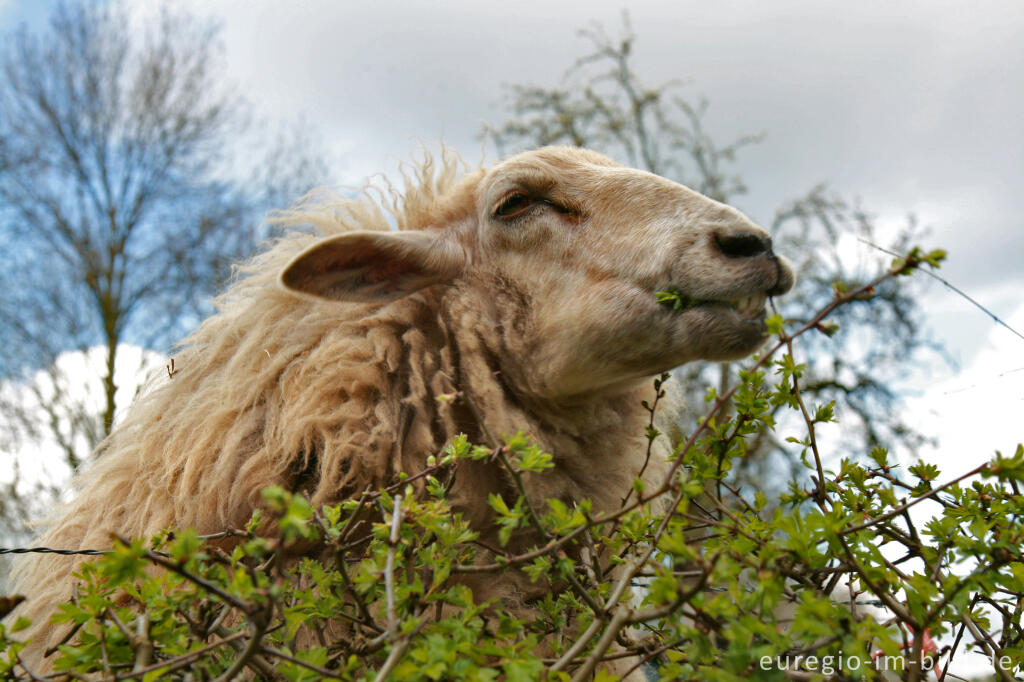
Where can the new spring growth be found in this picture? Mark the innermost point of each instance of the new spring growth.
(675, 299)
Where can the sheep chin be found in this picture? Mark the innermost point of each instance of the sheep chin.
(715, 331)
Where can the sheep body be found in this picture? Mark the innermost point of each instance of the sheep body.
(543, 315)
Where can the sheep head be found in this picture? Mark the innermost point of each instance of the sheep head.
(584, 244)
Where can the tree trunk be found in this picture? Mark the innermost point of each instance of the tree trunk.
(109, 385)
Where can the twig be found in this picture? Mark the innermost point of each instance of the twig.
(364, 613)
(903, 507)
(121, 626)
(651, 655)
(899, 609)
(142, 643)
(276, 653)
(624, 616)
(259, 628)
(199, 580)
(987, 643)
(257, 661)
(63, 640)
(184, 659)
(956, 642)
(651, 431)
(600, 616)
(577, 646)
(397, 650)
(389, 570)
(101, 636)
(619, 621)
(820, 496)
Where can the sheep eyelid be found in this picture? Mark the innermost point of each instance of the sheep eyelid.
(564, 210)
(514, 205)
(506, 212)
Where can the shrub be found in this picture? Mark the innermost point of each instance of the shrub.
(695, 578)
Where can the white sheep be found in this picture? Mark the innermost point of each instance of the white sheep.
(529, 286)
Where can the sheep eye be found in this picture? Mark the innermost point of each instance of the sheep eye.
(513, 206)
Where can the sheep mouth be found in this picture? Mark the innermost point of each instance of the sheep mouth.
(749, 307)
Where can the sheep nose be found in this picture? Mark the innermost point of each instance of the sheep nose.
(744, 245)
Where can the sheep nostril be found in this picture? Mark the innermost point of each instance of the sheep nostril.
(743, 245)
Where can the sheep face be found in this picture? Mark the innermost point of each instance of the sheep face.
(563, 252)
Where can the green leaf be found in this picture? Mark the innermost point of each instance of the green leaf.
(523, 670)
(825, 413)
(185, 546)
(497, 503)
(1007, 468)
(675, 299)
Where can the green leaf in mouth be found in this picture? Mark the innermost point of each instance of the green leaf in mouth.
(675, 299)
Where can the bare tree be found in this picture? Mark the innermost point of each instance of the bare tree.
(602, 103)
(120, 204)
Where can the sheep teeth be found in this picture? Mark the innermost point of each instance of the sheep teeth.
(749, 306)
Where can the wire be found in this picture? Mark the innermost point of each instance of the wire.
(62, 552)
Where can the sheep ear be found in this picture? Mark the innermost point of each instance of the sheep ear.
(373, 266)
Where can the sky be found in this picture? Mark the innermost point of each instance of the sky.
(912, 107)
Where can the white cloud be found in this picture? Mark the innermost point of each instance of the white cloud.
(72, 386)
(978, 410)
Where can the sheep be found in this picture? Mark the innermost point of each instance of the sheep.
(529, 286)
